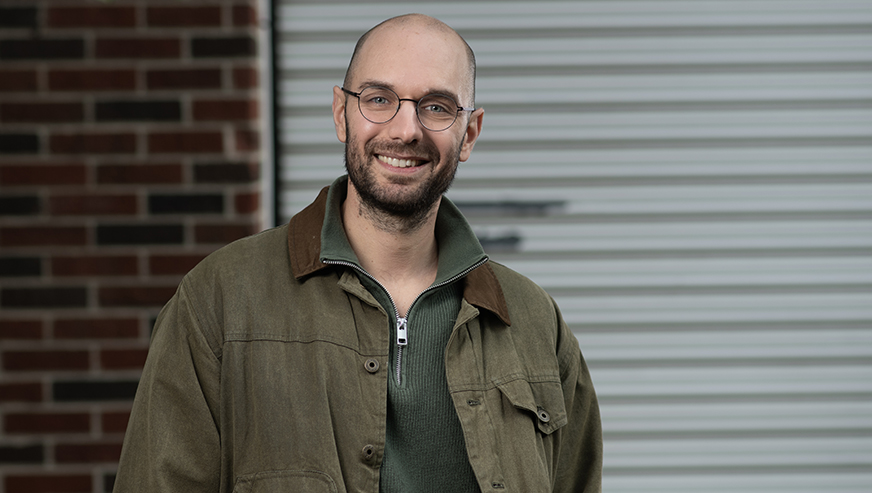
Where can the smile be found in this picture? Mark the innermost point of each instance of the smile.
(398, 163)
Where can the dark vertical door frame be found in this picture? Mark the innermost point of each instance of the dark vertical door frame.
(276, 114)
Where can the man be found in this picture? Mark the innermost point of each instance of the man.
(369, 345)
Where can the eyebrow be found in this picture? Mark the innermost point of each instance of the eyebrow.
(373, 82)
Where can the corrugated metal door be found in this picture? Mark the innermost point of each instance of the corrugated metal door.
(692, 181)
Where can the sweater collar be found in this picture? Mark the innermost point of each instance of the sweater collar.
(316, 232)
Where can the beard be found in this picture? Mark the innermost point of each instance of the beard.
(394, 206)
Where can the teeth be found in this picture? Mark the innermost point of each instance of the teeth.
(398, 163)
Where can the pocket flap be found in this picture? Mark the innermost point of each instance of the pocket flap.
(283, 481)
(544, 400)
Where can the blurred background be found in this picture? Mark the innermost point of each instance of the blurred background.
(691, 181)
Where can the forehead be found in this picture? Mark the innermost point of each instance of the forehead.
(415, 59)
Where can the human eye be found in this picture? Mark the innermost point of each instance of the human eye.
(378, 97)
(438, 105)
(435, 108)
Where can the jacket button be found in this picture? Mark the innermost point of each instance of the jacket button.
(368, 453)
(543, 415)
(371, 365)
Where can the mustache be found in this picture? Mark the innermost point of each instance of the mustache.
(421, 149)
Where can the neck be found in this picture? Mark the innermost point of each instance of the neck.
(404, 258)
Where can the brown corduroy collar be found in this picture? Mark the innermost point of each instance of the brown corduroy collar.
(482, 288)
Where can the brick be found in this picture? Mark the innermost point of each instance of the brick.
(146, 234)
(138, 48)
(225, 173)
(43, 298)
(245, 78)
(45, 360)
(139, 173)
(97, 17)
(92, 205)
(92, 80)
(42, 236)
(90, 391)
(111, 143)
(247, 140)
(225, 110)
(247, 203)
(41, 112)
(162, 265)
(17, 80)
(94, 265)
(19, 206)
(199, 16)
(27, 454)
(21, 17)
(42, 174)
(115, 421)
(186, 204)
(96, 328)
(20, 329)
(19, 143)
(156, 111)
(42, 49)
(222, 233)
(87, 453)
(185, 142)
(224, 47)
(48, 483)
(20, 392)
(20, 267)
(47, 423)
(123, 359)
(244, 15)
(136, 296)
(203, 78)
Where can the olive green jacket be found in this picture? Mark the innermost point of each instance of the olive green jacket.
(268, 373)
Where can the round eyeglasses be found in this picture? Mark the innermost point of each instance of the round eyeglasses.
(436, 112)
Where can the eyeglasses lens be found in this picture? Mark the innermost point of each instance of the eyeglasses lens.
(435, 112)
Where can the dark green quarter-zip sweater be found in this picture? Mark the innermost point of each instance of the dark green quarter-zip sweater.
(424, 447)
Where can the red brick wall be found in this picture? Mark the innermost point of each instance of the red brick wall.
(129, 135)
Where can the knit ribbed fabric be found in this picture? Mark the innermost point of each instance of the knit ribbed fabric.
(424, 446)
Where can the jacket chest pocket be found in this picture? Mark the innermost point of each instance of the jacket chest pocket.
(285, 481)
(541, 401)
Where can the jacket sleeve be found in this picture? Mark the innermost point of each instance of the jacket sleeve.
(580, 452)
(172, 440)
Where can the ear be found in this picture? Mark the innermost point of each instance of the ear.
(473, 130)
(339, 100)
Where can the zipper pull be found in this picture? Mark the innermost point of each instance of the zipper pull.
(402, 330)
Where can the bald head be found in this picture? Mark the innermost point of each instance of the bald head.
(423, 22)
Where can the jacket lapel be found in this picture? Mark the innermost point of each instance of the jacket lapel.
(304, 237)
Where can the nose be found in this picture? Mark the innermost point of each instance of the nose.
(404, 125)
